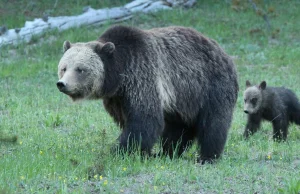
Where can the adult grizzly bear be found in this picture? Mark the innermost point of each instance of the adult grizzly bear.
(171, 82)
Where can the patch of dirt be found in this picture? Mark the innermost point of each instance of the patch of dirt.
(137, 181)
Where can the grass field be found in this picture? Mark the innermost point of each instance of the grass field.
(62, 146)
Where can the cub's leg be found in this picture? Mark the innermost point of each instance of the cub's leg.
(253, 124)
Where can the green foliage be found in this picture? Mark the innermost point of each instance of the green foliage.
(53, 121)
(64, 147)
(291, 187)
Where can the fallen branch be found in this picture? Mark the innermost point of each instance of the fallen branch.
(11, 139)
(89, 17)
(263, 14)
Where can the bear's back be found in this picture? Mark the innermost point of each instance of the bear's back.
(183, 64)
(288, 98)
(124, 36)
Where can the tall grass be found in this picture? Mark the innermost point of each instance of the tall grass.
(63, 147)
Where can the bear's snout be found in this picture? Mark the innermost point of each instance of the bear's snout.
(61, 85)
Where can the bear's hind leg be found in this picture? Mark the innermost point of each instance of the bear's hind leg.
(280, 128)
(176, 138)
(212, 136)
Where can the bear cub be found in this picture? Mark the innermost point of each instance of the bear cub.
(275, 104)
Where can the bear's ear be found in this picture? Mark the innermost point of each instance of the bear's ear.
(66, 46)
(108, 48)
(263, 85)
(97, 48)
(248, 84)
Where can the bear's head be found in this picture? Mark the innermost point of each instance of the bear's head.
(253, 97)
(81, 69)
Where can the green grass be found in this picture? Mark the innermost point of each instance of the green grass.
(59, 141)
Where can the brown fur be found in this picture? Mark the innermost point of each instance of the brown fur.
(172, 83)
(275, 104)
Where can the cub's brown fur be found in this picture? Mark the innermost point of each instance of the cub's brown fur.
(276, 104)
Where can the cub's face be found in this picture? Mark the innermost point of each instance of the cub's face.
(81, 70)
(253, 98)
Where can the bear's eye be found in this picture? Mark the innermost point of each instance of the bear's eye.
(254, 101)
(245, 100)
(64, 69)
(79, 70)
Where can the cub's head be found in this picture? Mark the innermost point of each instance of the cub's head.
(253, 97)
(81, 70)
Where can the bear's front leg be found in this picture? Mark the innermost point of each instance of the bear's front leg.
(143, 125)
(253, 124)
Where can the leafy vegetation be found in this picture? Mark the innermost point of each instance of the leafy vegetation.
(63, 147)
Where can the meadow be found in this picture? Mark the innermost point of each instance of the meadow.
(63, 147)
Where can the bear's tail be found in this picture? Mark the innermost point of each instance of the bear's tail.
(295, 116)
(293, 105)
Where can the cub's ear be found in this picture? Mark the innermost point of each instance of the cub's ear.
(263, 85)
(66, 45)
(248, 84)
(108, 48)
